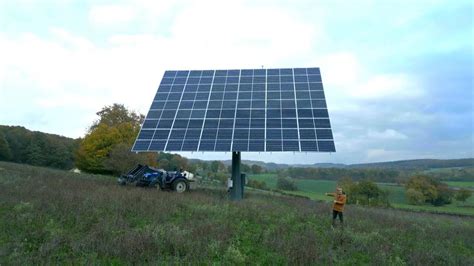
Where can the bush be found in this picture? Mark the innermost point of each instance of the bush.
(445, 195)
(429, 189)
(257, 184)
(364, 192)
(463, 194)
(221, 177)
(415, 197)
(285, 183)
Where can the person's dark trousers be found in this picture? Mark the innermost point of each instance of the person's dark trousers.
(334, 216)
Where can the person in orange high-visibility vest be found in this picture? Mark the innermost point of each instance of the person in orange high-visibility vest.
(338, 206)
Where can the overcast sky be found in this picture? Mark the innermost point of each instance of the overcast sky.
(398, 75)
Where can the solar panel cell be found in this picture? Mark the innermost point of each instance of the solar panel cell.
(309, 145)
(256, 145)
(157, 145)
(326, 146)
(274, 145)
(141, 145)
(223, 145)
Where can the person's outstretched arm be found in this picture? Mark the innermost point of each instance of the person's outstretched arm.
(330, 194)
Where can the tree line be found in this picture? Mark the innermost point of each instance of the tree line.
(20, 145)
(376, 174)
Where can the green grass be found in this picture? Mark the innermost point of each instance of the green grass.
(315, 189)
(461, 184)
(455, 208)
(56, 217)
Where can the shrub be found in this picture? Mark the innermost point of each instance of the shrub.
(463, 194)
(364, 192)
(257, 184)
(285, 183)
(415, 197)
(433, 191)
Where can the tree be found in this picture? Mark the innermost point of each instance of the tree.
(120, 159)
(445, 195)
(433, 191)
(5, 152)
(18, 144)
(256, 169)
(117, 114)
(115, 127)
(285, 183)
(423, 184)
(463, 194)
(257, 184)
(177, 162)
(282, 173)
(348, 186)
(164, 164)
(244, 168)
(366, 192)
(415, 197)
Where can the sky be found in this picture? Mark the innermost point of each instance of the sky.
(398, 75)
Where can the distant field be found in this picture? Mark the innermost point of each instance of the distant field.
(444, 169)
(461, 184)
(315, 189)
(57, 217)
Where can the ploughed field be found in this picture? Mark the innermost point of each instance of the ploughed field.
(52, 216)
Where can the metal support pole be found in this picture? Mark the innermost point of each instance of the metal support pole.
(237, 190)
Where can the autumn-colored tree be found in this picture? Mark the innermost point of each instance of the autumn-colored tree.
(415, 197)
(103, 149)
(120, 159)
(115, 115)
(433, 191)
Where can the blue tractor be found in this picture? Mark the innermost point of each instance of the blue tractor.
(147, 176)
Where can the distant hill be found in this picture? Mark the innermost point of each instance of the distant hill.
(419, 164)
(277, 166)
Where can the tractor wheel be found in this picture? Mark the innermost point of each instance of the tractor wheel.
(180, 186)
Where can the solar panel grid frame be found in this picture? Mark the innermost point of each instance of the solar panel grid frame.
(173, 102)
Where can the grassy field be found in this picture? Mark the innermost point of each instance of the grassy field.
(315, 189)
(461, 184)
(56, 217)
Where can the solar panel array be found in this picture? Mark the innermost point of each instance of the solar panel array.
(257, 110)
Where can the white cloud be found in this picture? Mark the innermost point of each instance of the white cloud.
(71, 70)
(105, 15)
(375, 155)
(341, 70)
(388, 134)
(348, 77)
(388, 85)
